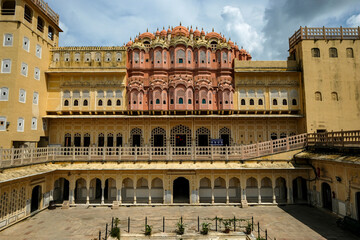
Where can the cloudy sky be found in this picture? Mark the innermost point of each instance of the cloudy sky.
(261, 26)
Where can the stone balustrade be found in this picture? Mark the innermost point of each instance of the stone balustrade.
(25, 156)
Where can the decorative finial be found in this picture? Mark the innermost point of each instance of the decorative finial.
(147, 29)
(180, 23)
(191, 26)
(241, 47)
(196, 27)
(163, 28)
(213, 29)
(130, 38)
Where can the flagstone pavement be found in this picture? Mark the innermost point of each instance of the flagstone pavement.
(295, 222)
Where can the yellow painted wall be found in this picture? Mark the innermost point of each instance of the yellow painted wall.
(13, 109)
(327, 75)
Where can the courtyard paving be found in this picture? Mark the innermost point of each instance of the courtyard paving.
(295, 222)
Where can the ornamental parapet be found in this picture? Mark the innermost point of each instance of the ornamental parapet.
(305, 33)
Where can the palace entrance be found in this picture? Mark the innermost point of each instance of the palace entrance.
(326, 196)
(35, 198)
(181, 189)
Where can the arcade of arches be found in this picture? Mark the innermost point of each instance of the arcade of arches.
(163, 132)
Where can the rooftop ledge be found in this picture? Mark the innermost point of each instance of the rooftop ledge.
(317, 33)
(266, 66)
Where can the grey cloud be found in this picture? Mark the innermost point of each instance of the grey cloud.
(284, 17)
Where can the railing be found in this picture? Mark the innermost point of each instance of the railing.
(334, 139)
(23, 156)
(323, 33)
(47, 10)
(7, 11)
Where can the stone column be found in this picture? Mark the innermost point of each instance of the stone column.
(87, 192)
(102, 192)
(118, 190)
(71, 191)
(274, 196)
(134, 195)
(273, 189)
(212, 190)
(149, 194)
(289, 195)
(259, 194)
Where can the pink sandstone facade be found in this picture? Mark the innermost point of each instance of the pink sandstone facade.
(181, 69)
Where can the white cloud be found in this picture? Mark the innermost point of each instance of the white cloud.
(63, 27)
(353, 21)
(242, 32)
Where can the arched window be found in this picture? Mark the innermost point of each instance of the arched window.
(157, 101)
(202, 56)
(189, 101)
(76, 103)
(349, 53)
(28, 14)
(318, 96)
(100, 103)
(40, 24)
(85, 103)
(181, 101)
(51, 33)
(282, 135)
(118, 102)
(158, 56)
(275, 102)
(315, 52)
(109, 103)
(260, 102)
(334, 96)
(284, 102)
(251, 101)
(66, 103)
(171, 101)
(180, 56)
(294, 102)
(333, 53)
(8, 8)
(242, 101)
(203, 101)
(273, 136)
(189, 56)
(164, 102)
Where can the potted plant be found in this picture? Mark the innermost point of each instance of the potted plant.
(227, 225)
(148, 230)
(115, 231)
(180, 228)
(205, 228)
(248, 228)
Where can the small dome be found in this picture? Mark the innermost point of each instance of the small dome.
(191, 30)
(197, 32)
(157, 32)
(163, 32)
(202, 32)
(213, 35)
(236, 47)
(129, 43)
(169, 30)
(243, 51)
(146, 35)
(231, 43)
(180, 31)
